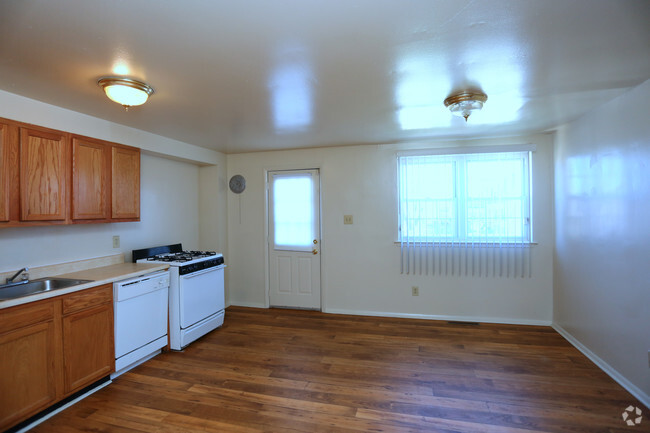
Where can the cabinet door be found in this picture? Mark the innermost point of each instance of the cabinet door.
(43, 157)
(90, 179)
(4, 174)
(27, 372)
(125, 175)
(88, 349)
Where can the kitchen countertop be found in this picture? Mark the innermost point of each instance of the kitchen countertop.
(100, 275)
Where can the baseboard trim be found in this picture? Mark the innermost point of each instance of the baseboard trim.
(498, 320)
(611, 371)
(247, 304)
(37, 419)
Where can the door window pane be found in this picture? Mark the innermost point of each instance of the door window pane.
(293, 213)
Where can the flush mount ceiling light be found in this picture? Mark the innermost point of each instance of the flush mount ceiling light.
(465, 103)
(125, 91)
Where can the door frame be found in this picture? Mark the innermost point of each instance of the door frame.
(267, 258)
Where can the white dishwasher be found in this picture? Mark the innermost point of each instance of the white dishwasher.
(140, 319)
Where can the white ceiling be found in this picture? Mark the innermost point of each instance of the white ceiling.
(244, 75)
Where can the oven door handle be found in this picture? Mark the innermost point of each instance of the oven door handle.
(201, 272)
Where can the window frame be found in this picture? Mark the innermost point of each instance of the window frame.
(459, 159)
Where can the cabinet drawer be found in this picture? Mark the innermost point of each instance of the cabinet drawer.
(87, 298)
(24, 315)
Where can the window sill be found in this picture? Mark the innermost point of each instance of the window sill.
(466, 244)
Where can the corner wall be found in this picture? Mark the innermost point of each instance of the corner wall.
(602, 246)
(213, 212)
(360, 262)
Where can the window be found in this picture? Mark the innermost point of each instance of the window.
(465, 198)
(293, 221)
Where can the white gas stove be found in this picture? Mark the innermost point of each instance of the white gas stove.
(196, 290)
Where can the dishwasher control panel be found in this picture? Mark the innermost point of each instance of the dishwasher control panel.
(140, 285)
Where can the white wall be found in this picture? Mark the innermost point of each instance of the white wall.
(360, 262)
(213, 213)
(169, 198)
(602, 268)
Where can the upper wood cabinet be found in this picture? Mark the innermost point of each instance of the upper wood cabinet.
(90, 179)
(125, 184)
(54, 177)
(43, 175)
(4, 173)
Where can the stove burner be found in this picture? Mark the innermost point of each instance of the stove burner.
(201, 253)
(183, 256)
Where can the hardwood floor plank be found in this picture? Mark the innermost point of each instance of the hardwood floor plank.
(282, 397)
(383, 395)
(424, 423)
(304, 371)
(194, 424)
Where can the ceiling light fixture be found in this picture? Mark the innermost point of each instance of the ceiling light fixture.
(125, 91)
(465, 103)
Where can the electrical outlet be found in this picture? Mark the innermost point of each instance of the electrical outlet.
(415, 291)
(347, 219)
(116, 241)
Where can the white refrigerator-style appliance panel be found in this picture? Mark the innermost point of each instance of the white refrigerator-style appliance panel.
(140, 318)
(196, 305)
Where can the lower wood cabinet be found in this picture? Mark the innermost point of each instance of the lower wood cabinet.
(88, 345)
(27, 372)
(52, 348)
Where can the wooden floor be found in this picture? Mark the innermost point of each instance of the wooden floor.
(301, 371)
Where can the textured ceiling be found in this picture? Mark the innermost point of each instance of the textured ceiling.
(250, 75)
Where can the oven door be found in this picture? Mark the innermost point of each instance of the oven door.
(201, 295)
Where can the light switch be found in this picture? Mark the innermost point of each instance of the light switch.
(347, 219)
(116, 241)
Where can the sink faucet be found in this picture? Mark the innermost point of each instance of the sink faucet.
(25, 276)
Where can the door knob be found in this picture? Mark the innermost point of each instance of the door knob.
(315, 241)
(314, 251)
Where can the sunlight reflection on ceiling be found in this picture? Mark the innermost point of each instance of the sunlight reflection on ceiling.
(416, 87)
(292, 97)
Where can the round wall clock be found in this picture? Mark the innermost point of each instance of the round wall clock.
(237, 184)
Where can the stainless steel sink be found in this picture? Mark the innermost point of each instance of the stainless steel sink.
(26, 288)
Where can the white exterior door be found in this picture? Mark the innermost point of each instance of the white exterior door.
(294, 239)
